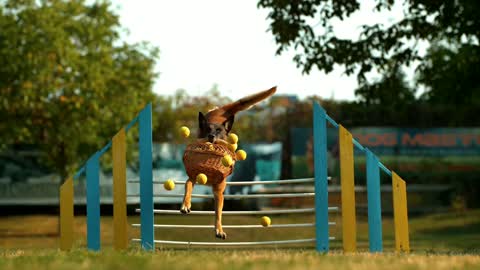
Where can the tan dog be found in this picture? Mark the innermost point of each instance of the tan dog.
(216, 125)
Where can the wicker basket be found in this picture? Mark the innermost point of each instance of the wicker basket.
(206, 158)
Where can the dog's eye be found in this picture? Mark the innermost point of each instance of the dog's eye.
(219, 130)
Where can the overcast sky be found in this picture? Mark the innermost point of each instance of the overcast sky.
(224, 42)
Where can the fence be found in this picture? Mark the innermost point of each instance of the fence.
(320, 181)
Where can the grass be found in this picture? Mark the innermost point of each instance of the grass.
(439, 241)
(233, 259)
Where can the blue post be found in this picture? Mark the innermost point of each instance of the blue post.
(93, 202)
(321, 178)
(146, 178)
(374, 203)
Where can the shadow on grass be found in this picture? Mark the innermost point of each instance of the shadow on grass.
(463, 237)
(16, 234)
(471, 228)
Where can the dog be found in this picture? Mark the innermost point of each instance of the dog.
(214, 126)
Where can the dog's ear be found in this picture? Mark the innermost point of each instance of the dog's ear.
(202, 121)
(228, 124)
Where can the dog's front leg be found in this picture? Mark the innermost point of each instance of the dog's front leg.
(187, 197)
(218, 190)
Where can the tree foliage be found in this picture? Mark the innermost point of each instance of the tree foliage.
(307, 26)
(181, 109)
(391, 89)
(67, 82)
(451, 75)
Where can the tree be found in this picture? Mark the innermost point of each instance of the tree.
(67, 82)
(180, 109)
(452, 86)
(450, 70)
(390, 89)
(387, 100)
(379, 48)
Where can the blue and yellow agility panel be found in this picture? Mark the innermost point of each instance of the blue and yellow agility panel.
(320, 182)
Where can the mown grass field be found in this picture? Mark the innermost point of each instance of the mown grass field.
(439, 241)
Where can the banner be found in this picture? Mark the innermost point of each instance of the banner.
(439, 151)
(425, 142)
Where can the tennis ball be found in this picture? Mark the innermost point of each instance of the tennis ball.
(232, 138)
(201, 179)
(241, 155)
(210, 146)
(232, 147)
(227, 161)
(184, 132)
(169, 184)
(265, 221)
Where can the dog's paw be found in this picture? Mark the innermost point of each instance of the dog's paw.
(221, 235)
(185, 210)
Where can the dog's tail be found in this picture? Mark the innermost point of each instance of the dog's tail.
(224, 112)
(247, 102)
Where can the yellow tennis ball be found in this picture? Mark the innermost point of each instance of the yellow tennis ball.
(201, 179)
(210, 146)
(241, 155)
(227, 161)
(169, 184)
(184, 132)
(265, 221)
(232, 147)
(232, 138)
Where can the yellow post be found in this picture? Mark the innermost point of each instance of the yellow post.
(348, 190)
(120, 237)
(66, 215)
(402, 242)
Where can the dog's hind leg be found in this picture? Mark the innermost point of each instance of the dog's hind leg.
(187, 197)
(218, 190)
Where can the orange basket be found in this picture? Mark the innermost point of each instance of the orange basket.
(206, 158)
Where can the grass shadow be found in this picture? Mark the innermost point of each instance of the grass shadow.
(461, 237)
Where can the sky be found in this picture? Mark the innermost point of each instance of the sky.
(225, 42)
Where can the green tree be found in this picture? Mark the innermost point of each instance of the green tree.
(385, 101)
(390, 89)
(450, 74)
(307, 27)
(67, 81)
(180, 109)
(452, 85)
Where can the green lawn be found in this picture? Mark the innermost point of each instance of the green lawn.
(439, 241)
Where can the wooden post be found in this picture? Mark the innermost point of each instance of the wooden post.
(120, 233)
(93, 202)
(321, 178)
(400, 208)
(66, 215)
(348, 190)
(146, 178)
(374, 203)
